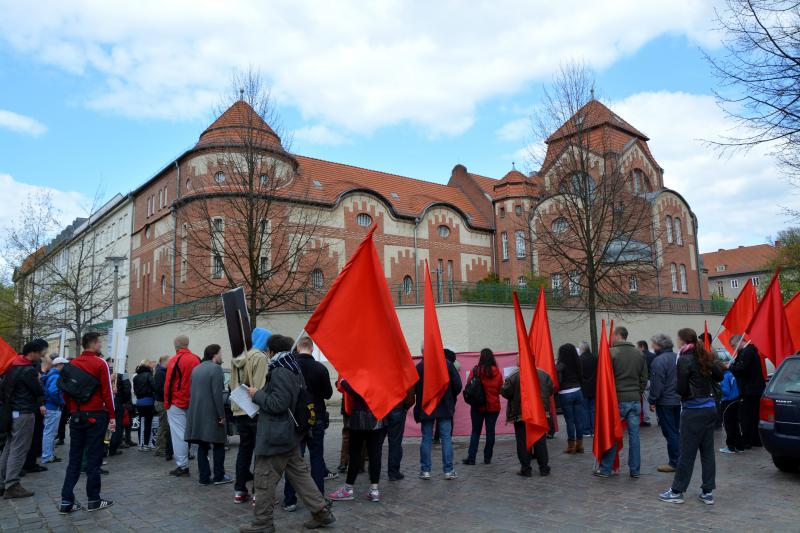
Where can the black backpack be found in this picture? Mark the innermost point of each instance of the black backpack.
(304, 413)
(77, 383)
(473, 393)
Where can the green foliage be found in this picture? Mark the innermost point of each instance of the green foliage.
(787, 258)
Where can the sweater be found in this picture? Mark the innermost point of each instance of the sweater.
(630, 371)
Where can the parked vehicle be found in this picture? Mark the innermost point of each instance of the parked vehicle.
(779, 424)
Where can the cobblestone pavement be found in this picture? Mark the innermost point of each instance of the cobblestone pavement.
(752, 495)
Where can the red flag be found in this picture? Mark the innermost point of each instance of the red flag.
(7, 354)
(706, 336)
(792, 309)
(541, 342)
(769, 329)
(357, 329)
(436, 376)
(530, 391)
(739, 314)
(607, 422)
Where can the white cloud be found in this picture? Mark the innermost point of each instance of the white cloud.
(20, 123)
(349, 64)
(738, 198)
(319, 134)
(514, 130)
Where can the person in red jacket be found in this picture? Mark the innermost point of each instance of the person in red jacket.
(87, 429)
(176, 401)
(492, 381)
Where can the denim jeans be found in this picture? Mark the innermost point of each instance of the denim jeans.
(478, 419)
(669, 418)
(316, 452)
(588, 408)
(630, 412)
(203, 466)
(88, 438)
(51, 419)
(574, 415)
(426, 446)
(396, 427)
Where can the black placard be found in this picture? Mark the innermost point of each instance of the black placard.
(237, 320)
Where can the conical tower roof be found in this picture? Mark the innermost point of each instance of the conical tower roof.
(240, 124)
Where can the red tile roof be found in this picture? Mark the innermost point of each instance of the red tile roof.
(741, 260)
(484, 182)
(407, 196)
(595, 114)
(237, 123)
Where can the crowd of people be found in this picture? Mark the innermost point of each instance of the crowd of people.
(180, 407)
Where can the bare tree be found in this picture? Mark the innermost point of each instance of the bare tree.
(23, 252)
(593, 225)
(252, 224)
(760, 75)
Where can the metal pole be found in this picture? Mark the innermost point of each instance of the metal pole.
(116, 290)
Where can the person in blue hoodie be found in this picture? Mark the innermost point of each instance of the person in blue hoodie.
(730, 414)
(54, 403)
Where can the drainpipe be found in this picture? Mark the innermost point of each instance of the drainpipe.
(697, 262)
(494, 241)
(416, 263)
(175, 229)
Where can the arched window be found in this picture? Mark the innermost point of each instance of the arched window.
(519, 241)
(678, 232)
(669, 229)
(219, 177)
(673, 272)
(408, 285)
(188, 183)
(683, 278)
(364, 220)
(633, 284)
(264, 180)
(560, 225)
(317, 278)
(163, 285)
(444, 231)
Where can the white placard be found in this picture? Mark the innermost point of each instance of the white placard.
(241, 397)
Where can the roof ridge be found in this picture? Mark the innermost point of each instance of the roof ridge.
(428, 182)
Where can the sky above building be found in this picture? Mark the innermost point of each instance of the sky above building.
(96, 97)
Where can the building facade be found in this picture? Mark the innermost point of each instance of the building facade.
(729, 270)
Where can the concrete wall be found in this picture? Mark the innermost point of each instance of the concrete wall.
(465, 327)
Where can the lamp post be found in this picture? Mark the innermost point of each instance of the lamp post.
(116, 261)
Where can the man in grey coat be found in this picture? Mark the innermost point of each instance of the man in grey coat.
(205, 419)
(664, 399)
(278, 442)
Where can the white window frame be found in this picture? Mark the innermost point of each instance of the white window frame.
(755, 280)
(670, 238)
(519, 244)
(673, 272)
(555, 283)
(734, 283)
(682, 273)
(574, 280)
(408, 285)
(365, 218)
(633, 284)
(504, 245)
(317, 279)
(678, 232)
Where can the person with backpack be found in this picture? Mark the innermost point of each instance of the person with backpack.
(488, 377)
(86, 384)
(22, 396)
(512, 392)
(281, 427)
(144, 388)
(177, 392)
(318, 384)
(54, 403)
(249, 369)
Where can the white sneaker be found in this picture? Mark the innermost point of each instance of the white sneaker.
(726, 450)
(425, 475)
(451, 475)
(374, 495)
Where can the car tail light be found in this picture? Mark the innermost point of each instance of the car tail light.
(767, 411)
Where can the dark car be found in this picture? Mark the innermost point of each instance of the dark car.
(779, 423)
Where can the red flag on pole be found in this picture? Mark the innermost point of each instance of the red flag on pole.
(706, 336)
(739, 314)
(541, 344)
(355, 326)
(607, 422)
(530, 391)
(769, 329)
(436, 376)
(792, 309)
(7, 354)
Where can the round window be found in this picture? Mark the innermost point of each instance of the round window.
(219, 177)
(444, 231)
(560, 225)
(364, 220)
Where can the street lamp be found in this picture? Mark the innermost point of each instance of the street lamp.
(116, 261)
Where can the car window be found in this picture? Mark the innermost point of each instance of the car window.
(787, 380)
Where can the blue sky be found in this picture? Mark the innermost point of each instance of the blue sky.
(101, 98)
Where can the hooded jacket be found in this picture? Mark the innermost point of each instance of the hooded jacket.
(144, 386)
(177, 389)
(53, 400)
(251, 368)
(26, 394)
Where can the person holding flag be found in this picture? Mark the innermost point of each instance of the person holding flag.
(437, 391)
(746, 368)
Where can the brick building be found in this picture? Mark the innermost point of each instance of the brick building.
(466, 229)
(729, 270)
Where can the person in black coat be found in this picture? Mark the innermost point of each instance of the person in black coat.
(588, 385)
(144, 388)
(746, 368)
(443, 416)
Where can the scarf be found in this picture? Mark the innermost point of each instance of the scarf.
(285, 360)
(686, 348)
